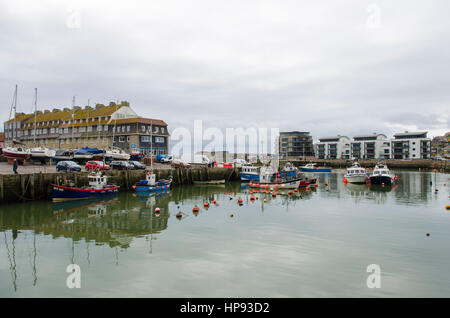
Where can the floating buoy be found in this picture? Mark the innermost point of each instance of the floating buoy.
(179, 215)
(289, 192)
(195, 209)
(239, 201)
(265, 200)
(317, 185)
(436, 190)
(447, 207)
(251, 191)
(231, 198)
(325, 184)
(428, 234)
(215, 202)
(252, 198)
(250, 184)
(295, 190)
(277, 185)
(157, 210)
(206, 204)
(231, 215)
(257, 198)
(134, 195)
(134, 187)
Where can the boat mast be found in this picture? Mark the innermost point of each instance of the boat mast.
(151, 145)
(15, 106)
(35, 115)
(73, 116)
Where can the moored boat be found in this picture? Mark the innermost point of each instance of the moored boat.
(97, 187)
(311, 167)
(249, 173)
(355, 174)
(16, 152)
(117, 154)
(63, 154)
(82, 154)
(222, 181)
(289, 170)
(150, 184)
(382, 175)
(267, 178)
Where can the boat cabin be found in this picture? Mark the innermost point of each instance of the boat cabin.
(250, 169)
(97, 181)
(150, 178)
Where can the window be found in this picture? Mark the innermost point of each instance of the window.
(66, 130)
(128, 128)
(75, 129)
(143, 128)
(145, 138)
(156, 129)
(121, 139)
(105, 128)
(89, 128)
(162, 130)
(128, 137)
(159, 139)
(99, 128)
(62, 141)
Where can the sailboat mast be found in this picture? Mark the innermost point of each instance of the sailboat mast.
(151, 144)
(35, 115)
(15, 107)
(73, 116)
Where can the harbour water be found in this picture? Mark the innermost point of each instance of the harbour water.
(317, 243)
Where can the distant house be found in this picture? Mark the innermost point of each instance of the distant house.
(372, 146)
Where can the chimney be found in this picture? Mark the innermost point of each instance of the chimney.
(38, 112)
(55, 110)
(76, 108)
(46, 111)
(98, 106)
(87, 108)
(65, 109)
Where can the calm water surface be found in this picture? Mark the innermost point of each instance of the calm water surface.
(317, 244)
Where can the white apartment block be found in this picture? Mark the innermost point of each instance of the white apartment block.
(373, 146)
(337, 147)
(411, 145)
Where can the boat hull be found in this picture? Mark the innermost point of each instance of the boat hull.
(290, 184)
(150, 188)
(381, 180)
(315, 169)
(63, 193)
(16, 155)
(358, 179)
(249, 177)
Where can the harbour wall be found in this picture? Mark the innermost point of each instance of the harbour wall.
(392, 163)
(37, 186)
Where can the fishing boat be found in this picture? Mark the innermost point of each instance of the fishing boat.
(97, 187)
(136, 155)
(311, 167)
(267, 178)
(150, 184)
(382, 175)
(63, 154)
(355, 174)
(249, 173)
(289, 170)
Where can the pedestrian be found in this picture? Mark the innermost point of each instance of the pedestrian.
(15, 165)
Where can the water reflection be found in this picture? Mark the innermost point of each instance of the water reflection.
(127, 221)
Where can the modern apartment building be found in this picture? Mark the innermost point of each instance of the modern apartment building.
(411, 145)
(336, 147)
(373, 146)
(296, 144)
(101, 126)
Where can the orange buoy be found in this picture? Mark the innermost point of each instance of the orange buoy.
(265, 200)
(215, 202)
(195, 209)
(252, 198)
(206, 204)
(447, 207)
(157, 210)
(179, 215)
(295, 190)
(231, 215)
(240, 201)
(289, 192)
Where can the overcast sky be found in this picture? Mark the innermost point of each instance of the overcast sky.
(328, 67)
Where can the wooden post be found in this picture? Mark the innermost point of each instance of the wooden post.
(2, 191)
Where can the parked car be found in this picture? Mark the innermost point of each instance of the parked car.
(97, 165)
(137, 165)
(166, 159)
(67, 165)
(180, 163)
(121, 165)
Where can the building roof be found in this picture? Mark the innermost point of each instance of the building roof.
(370, 135)
(140, 120)
(20, 117)
(407, 133)
(299, 133)
(333, 137)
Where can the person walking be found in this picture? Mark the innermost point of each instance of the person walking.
(15, 165)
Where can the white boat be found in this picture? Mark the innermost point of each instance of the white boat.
(382, 175)
(311, 167)
(63, 154)
(356, 174)
(42, 154)
(249, 173)
(117, 154)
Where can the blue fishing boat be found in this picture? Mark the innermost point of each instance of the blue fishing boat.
(97, 187)
(249, 173)
(311, 167)
(150, 184)
(289, 171)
